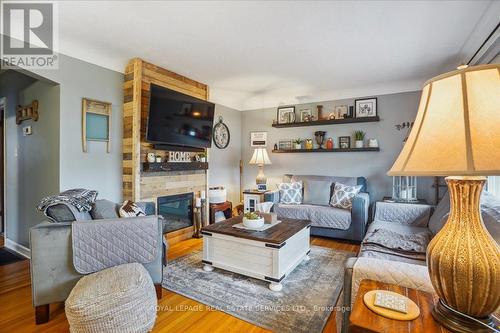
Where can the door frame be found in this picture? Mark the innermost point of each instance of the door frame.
(3, 105)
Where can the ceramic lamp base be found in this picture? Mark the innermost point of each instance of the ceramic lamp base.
(460, 324)
(261, 178)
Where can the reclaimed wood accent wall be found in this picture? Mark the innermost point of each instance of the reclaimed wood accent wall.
(139, 74)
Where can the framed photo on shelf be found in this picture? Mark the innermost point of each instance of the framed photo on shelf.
(305, 115)
(344, 142)
(366, 107)
(286, 114)
(341, 111)
(285, 144)
(258, 139)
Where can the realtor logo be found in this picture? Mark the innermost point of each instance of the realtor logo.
(29, 35)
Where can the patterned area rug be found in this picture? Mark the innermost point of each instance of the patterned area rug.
(309, 293)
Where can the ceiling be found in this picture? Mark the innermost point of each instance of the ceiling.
(264, 54)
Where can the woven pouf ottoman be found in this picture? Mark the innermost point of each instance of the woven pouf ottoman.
(118, 299)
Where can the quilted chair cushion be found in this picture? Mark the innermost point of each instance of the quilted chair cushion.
(117, 299)
(399, 273)
(290, 193)
(343, 195)
(320, 216)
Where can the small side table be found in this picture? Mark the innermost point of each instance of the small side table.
(225, 207)
(251, 198)
(364, 320)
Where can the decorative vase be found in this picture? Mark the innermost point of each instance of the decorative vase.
(309, 144)
(320, 111)
(329, 143)
(359, 143)
(151, 157)
(320, 138)
(464, 260)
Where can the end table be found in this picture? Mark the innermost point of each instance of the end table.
(364, 320)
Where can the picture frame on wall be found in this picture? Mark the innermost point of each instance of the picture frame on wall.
(286, 114)
(344, 142)
(366, 107)
(285, 144)
(258, 139)
(341, 111)
(305, 115)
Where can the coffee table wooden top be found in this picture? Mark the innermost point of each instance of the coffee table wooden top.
(364, 320)
(274, 235)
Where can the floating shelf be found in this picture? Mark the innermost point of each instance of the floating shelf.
(329, 122)
(173, 166)
(335, 150)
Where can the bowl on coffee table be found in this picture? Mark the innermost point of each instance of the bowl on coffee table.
(253, 220)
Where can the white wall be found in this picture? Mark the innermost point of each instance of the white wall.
(225, 163)
(392, 109)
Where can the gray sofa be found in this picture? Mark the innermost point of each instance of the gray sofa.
(405, 270)
(53, 274)
(325, 220)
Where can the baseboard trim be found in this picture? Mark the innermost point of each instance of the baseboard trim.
(18, 248)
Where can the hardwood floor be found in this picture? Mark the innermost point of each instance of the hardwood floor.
(177, 313)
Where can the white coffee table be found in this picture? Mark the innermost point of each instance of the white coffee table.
(268, 255)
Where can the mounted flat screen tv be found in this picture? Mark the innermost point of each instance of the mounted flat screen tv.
(179, 119)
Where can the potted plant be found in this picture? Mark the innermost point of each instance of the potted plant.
(298, 143)
(360, 138)
(253, 220)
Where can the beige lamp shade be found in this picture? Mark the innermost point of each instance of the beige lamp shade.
(457, 128)
(260, 157)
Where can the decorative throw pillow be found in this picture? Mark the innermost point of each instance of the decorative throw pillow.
(130, 209)
(290, 193)
(343, 194)
(104, 209)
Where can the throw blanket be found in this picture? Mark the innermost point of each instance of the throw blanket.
(386, 241)
(79, 198)
(108, 243)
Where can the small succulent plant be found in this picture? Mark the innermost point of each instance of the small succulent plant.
(359, 135)
(252, 216)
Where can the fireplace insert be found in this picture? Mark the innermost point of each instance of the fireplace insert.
(177, 211)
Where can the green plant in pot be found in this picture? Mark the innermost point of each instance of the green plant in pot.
(359, 136)
(298, 143)
(253, 220)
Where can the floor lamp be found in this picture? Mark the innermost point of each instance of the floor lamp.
(457, 134)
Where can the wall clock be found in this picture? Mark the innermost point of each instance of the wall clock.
(221, 134)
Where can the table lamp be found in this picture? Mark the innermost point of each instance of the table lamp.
(260, 158)
(457, 134)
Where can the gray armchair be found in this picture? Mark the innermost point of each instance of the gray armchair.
(53, 274)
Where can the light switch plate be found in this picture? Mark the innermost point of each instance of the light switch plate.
(27, 130)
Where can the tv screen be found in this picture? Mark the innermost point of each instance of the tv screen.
(179, 119)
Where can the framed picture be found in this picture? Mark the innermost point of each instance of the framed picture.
(258, 139)
(365, 107)
(344, 142)
(341, 111)
(305, 115)
(285, 145)
(286, 114)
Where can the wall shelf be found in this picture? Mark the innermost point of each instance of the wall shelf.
(173, 166)
(335, 150)
(329, 122)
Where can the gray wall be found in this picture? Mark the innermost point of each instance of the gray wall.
(392, 109)
(31, 162)
(38, 157)
(225, 163)
(96, 169)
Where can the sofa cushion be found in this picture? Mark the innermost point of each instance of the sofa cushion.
(290, 193)
(104, 209)
(343, 194)
(404, 213)
(62, 213)
(317, 192)
(320, 216)
(440, 215)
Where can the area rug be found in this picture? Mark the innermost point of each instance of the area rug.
(309, 293)
(7, 257)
